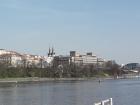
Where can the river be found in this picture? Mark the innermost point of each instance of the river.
(123, 92)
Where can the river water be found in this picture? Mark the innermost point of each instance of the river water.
(123, 92)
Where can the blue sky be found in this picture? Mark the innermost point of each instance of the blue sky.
(109, 28)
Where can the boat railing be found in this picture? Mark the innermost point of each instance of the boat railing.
(105, 102)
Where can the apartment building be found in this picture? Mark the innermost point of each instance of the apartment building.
(87, 59)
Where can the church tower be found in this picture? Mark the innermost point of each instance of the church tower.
(51, 52)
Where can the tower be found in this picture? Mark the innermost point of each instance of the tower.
(51, 52)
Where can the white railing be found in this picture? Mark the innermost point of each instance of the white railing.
(105, 102)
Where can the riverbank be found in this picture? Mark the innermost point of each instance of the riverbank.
(37, 79)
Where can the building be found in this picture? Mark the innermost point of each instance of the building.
(50, 58)
(31, 60)
(3, 51)
(88, 59)
(61, 60)
(15, 59)
(101, 61)
(12, 60)
(132, 66)
(76, 58)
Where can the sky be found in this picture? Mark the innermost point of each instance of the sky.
(108, 28)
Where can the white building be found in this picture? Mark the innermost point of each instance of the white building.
(50, 58)
(16, 60)
(33, 61)
(3, 51)
(88, 59)
(13, 60)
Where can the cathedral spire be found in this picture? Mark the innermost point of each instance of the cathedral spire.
(52, 51)
(49, 52)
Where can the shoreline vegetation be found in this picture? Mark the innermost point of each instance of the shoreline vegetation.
(54, 73)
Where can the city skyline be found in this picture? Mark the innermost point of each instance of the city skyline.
(108, 28)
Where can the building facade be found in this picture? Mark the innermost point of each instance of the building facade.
(11, 60)
(132, 66)
(61, 60)
(87, 59)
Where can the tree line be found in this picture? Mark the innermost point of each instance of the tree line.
(61, 71)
